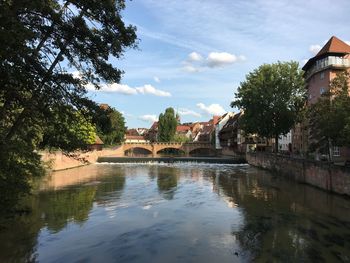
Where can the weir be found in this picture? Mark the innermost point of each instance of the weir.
(216, 160)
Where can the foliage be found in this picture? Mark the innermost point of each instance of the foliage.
(330, 116)
(69, 131)
(272, 97)
(181, 138)
(110, 125)
(167, 125)
(41, 44)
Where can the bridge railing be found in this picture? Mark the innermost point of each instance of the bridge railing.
(206, 144)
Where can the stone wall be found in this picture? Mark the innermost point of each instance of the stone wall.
(326, 176)
(58, 161)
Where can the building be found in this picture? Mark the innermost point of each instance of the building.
(152, 134)
(184, 130)
(218, 127)
(332, 59)
(233, 139)
(97, 145)
(206, 132)
(285, 142)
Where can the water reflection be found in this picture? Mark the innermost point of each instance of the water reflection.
(167, 181)
(177, 213)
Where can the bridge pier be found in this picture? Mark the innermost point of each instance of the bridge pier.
(154, 151)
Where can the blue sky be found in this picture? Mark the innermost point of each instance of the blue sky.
(193, 54)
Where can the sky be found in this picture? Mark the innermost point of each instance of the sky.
(193, 54)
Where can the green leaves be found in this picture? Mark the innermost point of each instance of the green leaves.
(42, 103)
(272, 96)
(110, 125)
(167, 125)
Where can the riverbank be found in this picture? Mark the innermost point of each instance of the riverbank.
(57, 161)
(217, 160)
(329, 177)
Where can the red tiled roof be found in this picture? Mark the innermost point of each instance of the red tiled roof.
(333, 46)
(104, 106)
(154, 126)
(182, 128)
(133, 132)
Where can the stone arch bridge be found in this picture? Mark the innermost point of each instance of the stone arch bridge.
(156, 147)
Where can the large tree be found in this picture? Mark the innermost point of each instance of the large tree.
(110, 125)
(272, 97)
(42, 43)
(167, 125)
(329, 117)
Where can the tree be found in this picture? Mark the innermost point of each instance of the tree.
(329, 117)
(167, 125)
(181, 138)
(272, 97)
(41, 44)
(110, 125)
(69, 132)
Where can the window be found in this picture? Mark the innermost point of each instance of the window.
(322, 90)
(336, 151)
(322, 75)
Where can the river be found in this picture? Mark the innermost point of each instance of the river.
(179, 212)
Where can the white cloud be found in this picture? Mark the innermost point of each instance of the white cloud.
(220, 59)
(149, 118)
(191, 68)
(183, 111)
(347, 42)
(127, 90)
(194, 56)
(212, 109)
(314, 49)
(149, 89)
(115, 88)
(156, 79)
(196, 63)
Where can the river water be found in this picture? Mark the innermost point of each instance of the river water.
(177, 213)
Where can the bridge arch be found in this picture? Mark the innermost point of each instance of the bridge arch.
(202, 151)
(128, 146)
(138, 152)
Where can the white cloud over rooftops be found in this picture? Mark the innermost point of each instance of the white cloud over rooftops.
(184, 112)
(212, 109)
(148, 118)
